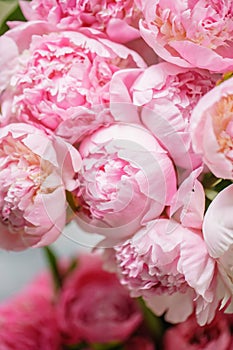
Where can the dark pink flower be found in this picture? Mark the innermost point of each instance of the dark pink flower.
(28, 322)
(190, 336)
(94, 307)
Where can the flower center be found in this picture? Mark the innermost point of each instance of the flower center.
(144, 278)
(21, 177)
(204, 22)
(223, 125)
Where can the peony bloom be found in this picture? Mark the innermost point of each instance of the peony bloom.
(162, 98)
(190, 336)
(218, 233)
(28, 322)
(197, 33)
(118, 192)
(169, 266)
(60, 81)
(94, 307)
(118, 19)
(35, 171)
(211, 128)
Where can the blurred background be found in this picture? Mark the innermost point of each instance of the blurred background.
(18, 268)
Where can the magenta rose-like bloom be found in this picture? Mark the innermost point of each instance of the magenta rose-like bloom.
(118, 19)
(94, 307)
(197, 33)
(169, 266)
(59, 81)
(28, 322)
(190, 336)
(35, 171)
(162, 98)
(212, 129)
(218, 234)
(126, 180)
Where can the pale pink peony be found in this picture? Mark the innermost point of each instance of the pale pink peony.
(35, 171)
(94, 307)
(127, 179)
(169, 266)
(218, 234)
(60, 81)
(28, 322)
(162, 98)
(190, 336)
(196, 33)
(118, 19)
(212, 129)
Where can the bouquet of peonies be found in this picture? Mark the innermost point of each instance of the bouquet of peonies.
(118, 116)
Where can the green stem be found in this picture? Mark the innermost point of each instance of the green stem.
(53, 265)
(154, 324)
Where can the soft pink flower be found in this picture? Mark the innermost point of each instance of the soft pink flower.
(60, 81)
(28, 322)
(139, 343)
(190, 336)
(218, 234)
(162, 98)
(212, 129)
(118, 191)
(35, 171)
(94, 307)
(169, 266)
(197, 33)
(118, 19)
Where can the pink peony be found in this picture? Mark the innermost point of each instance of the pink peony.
(94, 307)
(60, 81)
(217, 229)
(212, 129)
(197, 33)
(118, 19)
(162, 98)
(118, 192)
(28, 322)
(169, 266)
(190, 336)
(35, 171)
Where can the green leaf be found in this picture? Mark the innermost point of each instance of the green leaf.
(153, 323)
(109, 346)
(15, 15)
(79, 346)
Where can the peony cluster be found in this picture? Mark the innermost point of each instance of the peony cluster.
(118, 115)
(70, 320)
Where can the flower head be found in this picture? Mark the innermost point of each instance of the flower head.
(127, 179)
(29, 320)
(60, 81)
(162, 98)
(35, 171)
(195, 33)
(212, 132)
(189, 335)
(169, 266)
(118, 19)
(94, 307)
